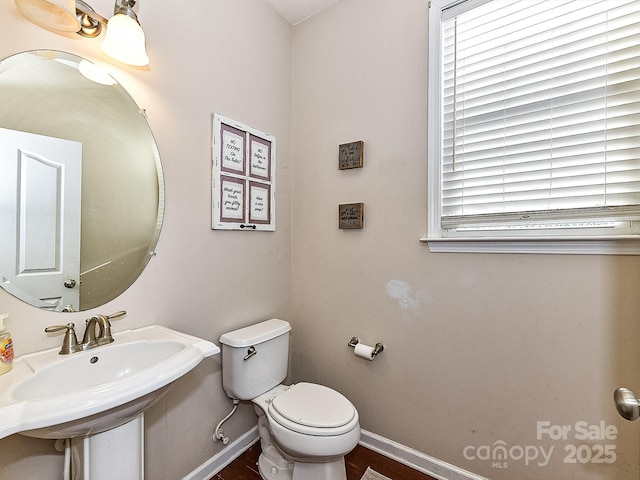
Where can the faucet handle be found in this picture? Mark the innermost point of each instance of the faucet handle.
(119, 314)
(70, 341)
(107, 325)
(57, 328)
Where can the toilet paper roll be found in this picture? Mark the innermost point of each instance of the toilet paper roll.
(364, 351)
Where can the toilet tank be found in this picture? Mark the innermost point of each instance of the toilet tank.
(245, 374)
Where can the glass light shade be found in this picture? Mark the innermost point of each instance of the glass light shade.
(125, 41)
(53, 15)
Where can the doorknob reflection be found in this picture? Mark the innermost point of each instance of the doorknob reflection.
(627, 403)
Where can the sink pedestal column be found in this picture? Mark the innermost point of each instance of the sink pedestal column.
(116, 453)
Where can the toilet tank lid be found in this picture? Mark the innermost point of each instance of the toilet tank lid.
(254, 334)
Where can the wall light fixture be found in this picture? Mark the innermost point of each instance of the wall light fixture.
(124, 40)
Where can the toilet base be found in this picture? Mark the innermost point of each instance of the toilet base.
(320, 471)
(270, 470)
(274, 470)
(273, 464)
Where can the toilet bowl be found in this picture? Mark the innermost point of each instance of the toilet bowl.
(305, 428)
(311, 427)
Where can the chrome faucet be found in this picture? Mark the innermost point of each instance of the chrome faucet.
(91, 338)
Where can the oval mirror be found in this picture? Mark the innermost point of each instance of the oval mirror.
(81, 186)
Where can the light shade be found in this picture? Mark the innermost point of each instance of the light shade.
(125, 41)
(54, 15)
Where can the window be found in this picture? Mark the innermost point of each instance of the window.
(534, 125)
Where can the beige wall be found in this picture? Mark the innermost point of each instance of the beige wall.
(478, 348)
(484, 346)
(226, 56)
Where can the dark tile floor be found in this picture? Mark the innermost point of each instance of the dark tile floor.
(245, 468)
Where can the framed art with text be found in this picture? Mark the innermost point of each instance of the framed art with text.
(243, 177)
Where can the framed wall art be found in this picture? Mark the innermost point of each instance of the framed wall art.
(243, 177)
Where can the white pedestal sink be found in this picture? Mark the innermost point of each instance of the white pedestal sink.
(97, 397)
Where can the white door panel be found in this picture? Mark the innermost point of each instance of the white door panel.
(40, 198)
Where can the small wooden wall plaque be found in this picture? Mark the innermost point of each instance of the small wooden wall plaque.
(351, 216)
(351, 155)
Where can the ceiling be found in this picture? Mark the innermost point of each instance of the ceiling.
(295, 11)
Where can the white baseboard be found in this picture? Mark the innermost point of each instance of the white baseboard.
(232, 451)
(396, 451)
(414, 459)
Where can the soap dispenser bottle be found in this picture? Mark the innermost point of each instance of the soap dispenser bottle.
(6, 347)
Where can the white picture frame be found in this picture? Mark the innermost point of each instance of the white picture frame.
(243, 179)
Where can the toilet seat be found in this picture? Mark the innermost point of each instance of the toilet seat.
(313, 409)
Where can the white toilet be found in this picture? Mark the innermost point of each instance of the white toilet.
(305, 429)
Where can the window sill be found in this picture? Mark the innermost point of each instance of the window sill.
(626, 245)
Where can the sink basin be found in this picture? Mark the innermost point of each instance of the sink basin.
(77, 374)
(48, 395)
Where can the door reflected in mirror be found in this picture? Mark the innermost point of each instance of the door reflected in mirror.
(81, 186)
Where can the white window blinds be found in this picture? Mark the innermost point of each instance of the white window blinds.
(541, 113)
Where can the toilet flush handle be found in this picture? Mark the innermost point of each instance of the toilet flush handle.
(250, 353)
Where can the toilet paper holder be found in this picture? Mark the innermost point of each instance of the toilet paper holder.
(376, 349)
